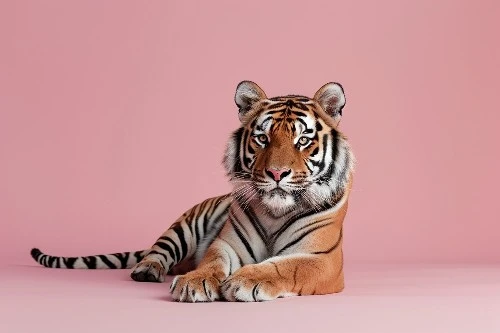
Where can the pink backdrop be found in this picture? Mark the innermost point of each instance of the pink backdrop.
(95, 97)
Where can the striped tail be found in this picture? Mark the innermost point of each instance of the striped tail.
(101, 261)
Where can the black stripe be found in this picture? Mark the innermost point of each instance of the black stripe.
(333, 247)
(341, 179)
(233, 218)
(69, 262)
(244, 155)
(291, 221)
(163, 255)
(316, 163)
(255, 222)
(295, 277)
(243, 240)
(210, 210)
(321, 164)
(335, 143)
(277, 270)
(312, 223)
(254, 292)
(202, 212)
(90, 261)
(189, 220)
(165, 247)
(123, 257)
(176, 248)
(138, 256)
(265, 120)
(106, 261)
(318, 126)
(51, 260)
(189, 217)
(299, 113)
(303, 123)
(308, 168)
(275, 106)
(240, 261)
(205, 223)
(192, 228)
(298, 239)
(216, 220)
(215, 205)
(237, 139)
(331, 168)
(180, 233)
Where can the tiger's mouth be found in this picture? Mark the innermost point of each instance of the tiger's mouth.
(278, 201)
(279, 192)
(278, 197)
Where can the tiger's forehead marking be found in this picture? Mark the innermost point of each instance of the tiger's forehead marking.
(296, 102)
(292, 113)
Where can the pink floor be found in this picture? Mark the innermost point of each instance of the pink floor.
(445, 298)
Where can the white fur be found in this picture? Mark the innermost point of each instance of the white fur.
(278, 203)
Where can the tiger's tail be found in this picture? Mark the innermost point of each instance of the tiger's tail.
(100, 261)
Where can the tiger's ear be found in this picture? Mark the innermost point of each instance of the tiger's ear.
(332, 99)
(247, 94)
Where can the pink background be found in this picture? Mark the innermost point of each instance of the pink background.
(94, 156)
(95, 97)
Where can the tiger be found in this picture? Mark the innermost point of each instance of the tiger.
(279, 233)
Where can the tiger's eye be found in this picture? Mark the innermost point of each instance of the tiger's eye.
(262, 138)
(304, 141)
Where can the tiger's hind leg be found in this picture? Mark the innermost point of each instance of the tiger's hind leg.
(148, 271)
(176, 249)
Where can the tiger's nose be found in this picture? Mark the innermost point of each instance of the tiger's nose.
(278, 174)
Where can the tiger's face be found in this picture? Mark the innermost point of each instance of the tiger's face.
(288, 152)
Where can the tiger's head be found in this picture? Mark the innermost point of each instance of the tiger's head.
(288, 152)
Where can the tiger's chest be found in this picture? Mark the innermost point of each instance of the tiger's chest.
(269, 236)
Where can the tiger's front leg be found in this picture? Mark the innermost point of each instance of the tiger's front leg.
(203, 284)
(299, 267)
(282, 276)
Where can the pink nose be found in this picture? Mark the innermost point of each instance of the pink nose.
(278, 174)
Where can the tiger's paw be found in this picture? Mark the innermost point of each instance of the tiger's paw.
(246, 285)
(148, 271)
(195, 287)
(249, 284)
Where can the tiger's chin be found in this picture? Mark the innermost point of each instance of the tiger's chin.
(278, 202)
